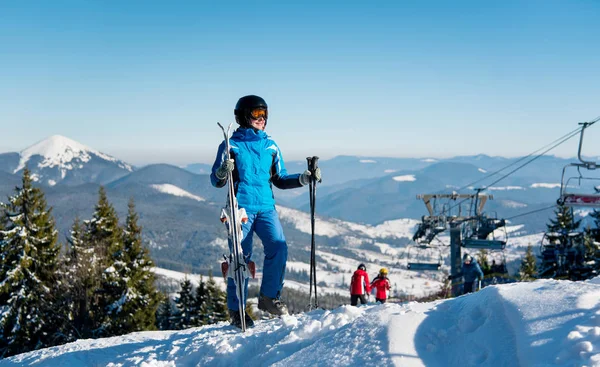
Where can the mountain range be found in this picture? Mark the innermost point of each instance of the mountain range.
(179, 208)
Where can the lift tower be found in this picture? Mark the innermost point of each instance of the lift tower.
(455, 223)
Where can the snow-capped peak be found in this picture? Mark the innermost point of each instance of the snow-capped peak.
(58, 150)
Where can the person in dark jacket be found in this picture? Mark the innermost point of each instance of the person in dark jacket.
(360, 286)
(381, 284)
(471, 271)
(256, 165)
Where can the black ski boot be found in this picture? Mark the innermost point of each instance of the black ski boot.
(274, 306)
(234, 319)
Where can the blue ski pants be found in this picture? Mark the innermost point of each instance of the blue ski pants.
(268, 228)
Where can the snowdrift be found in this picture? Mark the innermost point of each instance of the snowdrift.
(544, 323)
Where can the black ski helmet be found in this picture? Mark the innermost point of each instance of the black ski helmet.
(362, 267)
(243, 107)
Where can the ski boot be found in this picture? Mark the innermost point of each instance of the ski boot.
(274, 306)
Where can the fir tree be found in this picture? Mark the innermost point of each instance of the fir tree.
(185, 305)
(200, 299)
(105, 235)
(165, 315)
(28, 271)
(215, 309)
(528, 268)
(563, 224)
(136, 309)
(83, 279)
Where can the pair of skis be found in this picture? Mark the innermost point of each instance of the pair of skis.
(235, 266)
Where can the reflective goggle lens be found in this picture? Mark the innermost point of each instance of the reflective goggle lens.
(258, 113)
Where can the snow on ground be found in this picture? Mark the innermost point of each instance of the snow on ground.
(543, 323)
(174, 190)
(335, 227)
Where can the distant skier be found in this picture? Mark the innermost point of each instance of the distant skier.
(360, 286)
(470, 273)
(382, 285)
(257, 164)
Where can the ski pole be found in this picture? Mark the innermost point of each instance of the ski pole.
(312, 187)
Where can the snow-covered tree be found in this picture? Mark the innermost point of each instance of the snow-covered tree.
(215, 309)
(105, 235)
(563, 223)
(185, 305)
(135, 310)
(29, 269)
(83, 279)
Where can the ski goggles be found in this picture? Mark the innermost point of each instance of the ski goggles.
(257, 113)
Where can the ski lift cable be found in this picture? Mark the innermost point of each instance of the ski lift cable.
(518, 160)
(532, 159)
(531, 212)
(572, 134)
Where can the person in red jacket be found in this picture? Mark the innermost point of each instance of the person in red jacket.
(360, 286)
(381, 284)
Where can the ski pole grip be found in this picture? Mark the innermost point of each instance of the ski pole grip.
(312, 163)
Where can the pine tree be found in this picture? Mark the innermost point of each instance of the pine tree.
(563, 224)
(83, 279)
(105, 235)
(215, 309)
(28, 271)
(164, 314)
(200, 299)
(528, 267)
(185, 305)
(136, 309)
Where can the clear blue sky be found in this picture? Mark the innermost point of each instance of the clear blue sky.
(146, 81)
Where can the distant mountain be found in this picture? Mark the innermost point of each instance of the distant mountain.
(199, 168)
(159, 176)
(9, 162)
(58, 159)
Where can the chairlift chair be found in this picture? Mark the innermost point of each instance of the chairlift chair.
(572, 191)
(417, 265)
(475, 234)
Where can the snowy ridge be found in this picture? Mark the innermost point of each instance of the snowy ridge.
(61, 151)
(404, 178)
(542, 323)
(176, 191)
(335, 227)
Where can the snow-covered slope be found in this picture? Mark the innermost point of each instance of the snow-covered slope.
(58, 158)
(544, 323)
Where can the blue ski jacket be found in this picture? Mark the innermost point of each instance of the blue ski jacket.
(471, 271)
(258, 165)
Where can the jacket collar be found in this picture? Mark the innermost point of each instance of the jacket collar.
(247, 134)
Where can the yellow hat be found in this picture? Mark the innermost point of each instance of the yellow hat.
(383, 271)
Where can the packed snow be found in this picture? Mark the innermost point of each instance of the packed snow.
(542, 323)
(405, 178)
(176, 191)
